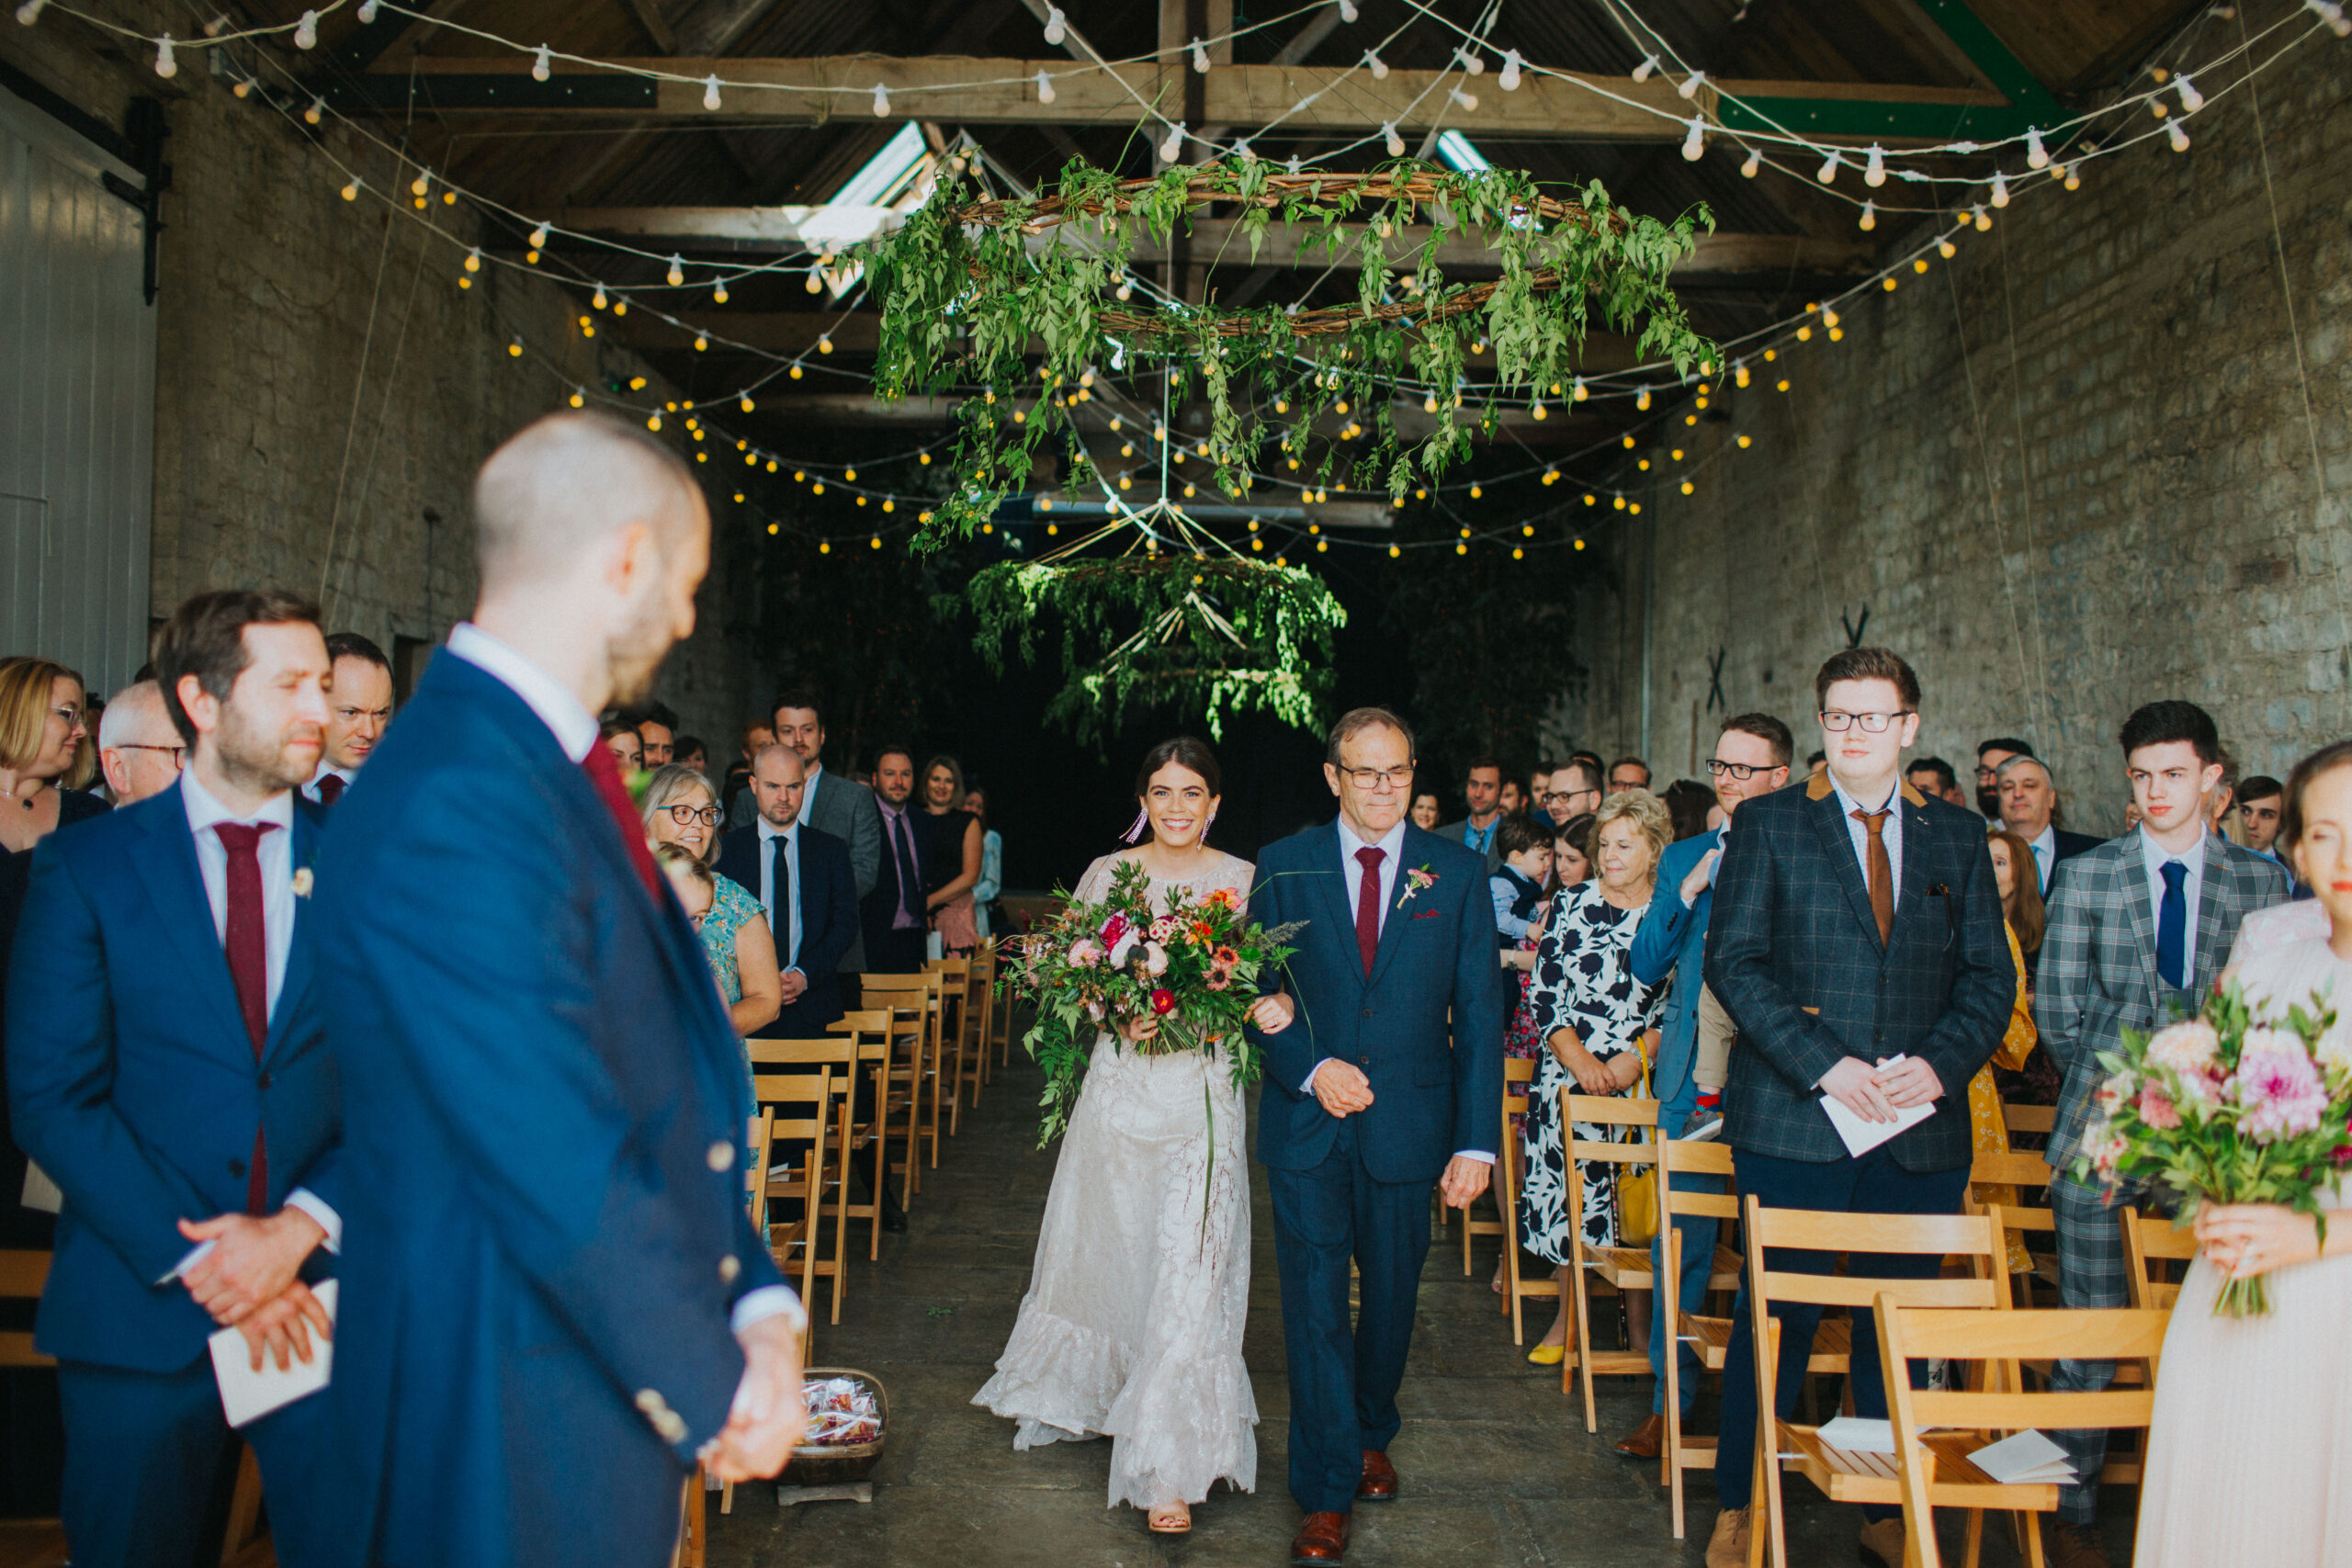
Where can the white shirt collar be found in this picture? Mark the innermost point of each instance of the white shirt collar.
(567, 718)
(348, 775)
(1848, 805)
(2047, 840)
(769, 830)
(2154, 855)
(205, 809)
(1392, 842)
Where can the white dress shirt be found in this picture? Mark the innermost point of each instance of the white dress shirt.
(348, 775)
(574, 728)
(1889, 834)
(2045, 855)
(1392, 847)
(275, 852)
(790, 852)
(2155, 857)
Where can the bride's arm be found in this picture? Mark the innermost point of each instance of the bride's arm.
(2247, 1239)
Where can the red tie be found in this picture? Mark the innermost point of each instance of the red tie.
(247, 942)
(606, 775)
(330, 788)
(1368, 907)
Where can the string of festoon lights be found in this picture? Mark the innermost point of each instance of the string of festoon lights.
(1765, 345)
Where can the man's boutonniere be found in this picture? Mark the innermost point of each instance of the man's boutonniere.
(303, 882)
(1415, 880)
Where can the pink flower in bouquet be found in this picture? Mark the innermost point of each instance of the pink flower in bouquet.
(2278, 1086)
(1218, 979)
(2104, 1146)
(2157, 1109)
(1155, 958)
(1164, 928)
(1163, 1001)
(2187, 1048)
(1085, 952)
(2117, 1092)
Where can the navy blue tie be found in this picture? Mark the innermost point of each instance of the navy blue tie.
(2172, 926)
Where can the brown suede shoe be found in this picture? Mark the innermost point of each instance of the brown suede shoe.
(1727, 1548)
(1645, 1441)
(1884, 1540)
(2074, 1546)
(1379, 1483)
(1323, 1538)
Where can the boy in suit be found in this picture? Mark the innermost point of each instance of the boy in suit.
(169, 1068)
(2139, 926)
(1854, 921)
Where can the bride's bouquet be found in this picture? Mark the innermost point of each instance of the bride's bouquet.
(1097, 966)
(2238, 1105)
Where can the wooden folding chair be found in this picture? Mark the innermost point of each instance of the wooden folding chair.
(1624, 1268)
(1003, 952)
(2151, 1245)
(1935, 1467)
(924, 994)
(983, 1003)
(1519, 1073)
(796, 1241)
(2038, 1119)
(957, 1018)
(835, 1060)
(1996, 1180)
(1843, 1476)
(869, 1031)
(1501, 1225)
(1709, 1336)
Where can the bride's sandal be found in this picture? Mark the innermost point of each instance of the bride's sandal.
(1171, 1518)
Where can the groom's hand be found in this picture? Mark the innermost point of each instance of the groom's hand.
(1464, 1179)
(768, 1418)
(1341, 1089)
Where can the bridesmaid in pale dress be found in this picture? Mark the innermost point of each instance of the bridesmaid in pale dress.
(2250, 1456)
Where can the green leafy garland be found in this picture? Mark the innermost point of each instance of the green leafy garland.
(967, 284)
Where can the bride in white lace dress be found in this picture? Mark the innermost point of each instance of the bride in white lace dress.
(1132, 1325)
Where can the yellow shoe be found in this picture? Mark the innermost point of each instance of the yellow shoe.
(1548, 1355)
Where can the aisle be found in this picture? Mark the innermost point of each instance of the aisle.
(1496, 1468)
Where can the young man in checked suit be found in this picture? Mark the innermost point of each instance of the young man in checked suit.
(2139, 927)
(1854, 921)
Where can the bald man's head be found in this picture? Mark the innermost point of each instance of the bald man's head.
(566, 482)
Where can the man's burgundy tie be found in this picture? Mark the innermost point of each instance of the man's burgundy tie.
(330, 788)
(606, 775)
(1368, 906)
(247, 942)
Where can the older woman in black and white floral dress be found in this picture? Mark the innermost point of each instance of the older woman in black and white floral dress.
(1590, 1014)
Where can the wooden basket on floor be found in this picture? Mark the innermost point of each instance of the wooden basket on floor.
(839, 1464)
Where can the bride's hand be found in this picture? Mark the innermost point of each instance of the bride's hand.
(2246, 1239)
(1271, 1014)
(1135, 1030)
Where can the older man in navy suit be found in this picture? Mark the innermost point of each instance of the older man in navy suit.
(1854, 921)
(553, 1298)
(169, 1068)
(1368, 1100)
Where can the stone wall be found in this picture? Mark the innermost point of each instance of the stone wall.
(325, 389)
(2073, 469)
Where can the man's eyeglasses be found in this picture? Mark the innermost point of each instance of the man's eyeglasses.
(1720, 768)
(1837, 722)
(179, 753)
(1558, 795)
(1368, 779)
(708, 816)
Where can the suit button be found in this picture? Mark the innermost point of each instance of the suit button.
(264, 1081)
(236, 1167)
(721, 1155)
(1878, 1036)
(1367, 1012)
(728, 1268)
(1365, 1060)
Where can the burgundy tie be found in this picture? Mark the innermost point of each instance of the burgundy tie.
(606, 775)
(247, 942)
(1368, 907)
(330, 788)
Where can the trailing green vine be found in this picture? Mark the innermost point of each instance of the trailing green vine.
(970, 282)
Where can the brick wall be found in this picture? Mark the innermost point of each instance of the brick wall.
(2067, 472)
(325, 390)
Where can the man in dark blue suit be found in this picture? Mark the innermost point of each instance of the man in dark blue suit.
(1854, 921)
(554, 1301)
(1368, 1101)
(802, 877)
(896, 914)
(169, 1068)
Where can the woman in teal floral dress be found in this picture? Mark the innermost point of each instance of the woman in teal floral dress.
(681, 810)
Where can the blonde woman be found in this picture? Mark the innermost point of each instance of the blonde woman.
(1591, 1013)
(682, 809)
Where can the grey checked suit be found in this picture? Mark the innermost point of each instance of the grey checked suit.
(2098, 977)
(845, 808)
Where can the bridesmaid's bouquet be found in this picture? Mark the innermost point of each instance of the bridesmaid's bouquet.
(2238, 1105)
(1097, 966)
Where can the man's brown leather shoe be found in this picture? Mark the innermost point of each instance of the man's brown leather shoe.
(2074, 1546)
(1322, 1539)
(1645, 1441)
(1379, 1483)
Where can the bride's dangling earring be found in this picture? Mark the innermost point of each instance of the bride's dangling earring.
(1143, 821)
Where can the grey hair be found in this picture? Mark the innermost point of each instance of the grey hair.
(128, 709)
(671, 780)
(2003, 771)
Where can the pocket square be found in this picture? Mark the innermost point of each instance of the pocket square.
(1429, 914)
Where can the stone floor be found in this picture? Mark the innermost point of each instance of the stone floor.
(1498, 1467)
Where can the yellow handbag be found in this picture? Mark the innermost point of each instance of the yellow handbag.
(1637, 1186)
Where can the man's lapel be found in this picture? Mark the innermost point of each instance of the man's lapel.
(167, 865)
(1910, 895)
(1838, 846)
(2132, 871)
(1332, 882)
(298, 949)
(1401, 907)
(2217, 886)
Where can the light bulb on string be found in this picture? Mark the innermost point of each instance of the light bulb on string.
(1982, 220)
(2075, 176)
(514, 349)
(1045, 87)
(2191, 100)
(473, 259)
(1694, 145)
(367, 12)
(165, 66)
(579, 398)
(1200, 58)
(1581, 391)
(306, 31)
(598, 300)
(1243, 151)
(1946, 249)
(677, 272)
(2329, 12)
(1056, 26)
(1870, 216)
(1348, 12)
(1508, 78)
(1828, 170)
(1395, 143)
(1648, 64)
(1755, 161)
(1377, 66)
(710, 92)
(1469, 101)
(351, 190)
(316, 112)
(2036, 155)
(1172, 148)
(1874, 167)
(824, 342)
(701, 342)
(2000, 189)
(881, 101)
(542, 64)
(423, 182)
(1642, 402)
(539, 237)
(2180, 136)
(1690, 85)
(816, 282)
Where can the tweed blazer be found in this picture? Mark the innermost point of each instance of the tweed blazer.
(2097, 974)
(1793, 955)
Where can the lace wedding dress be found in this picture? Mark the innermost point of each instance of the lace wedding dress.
(1132, 1325)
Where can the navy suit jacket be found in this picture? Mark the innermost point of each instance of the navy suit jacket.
(132, 1081)
(1794, 956)
(828, 918)
(2064, 846)
(545, 1226)
(1436, 957)
(1672, 940)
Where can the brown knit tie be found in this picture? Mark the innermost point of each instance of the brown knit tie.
(1882, 874)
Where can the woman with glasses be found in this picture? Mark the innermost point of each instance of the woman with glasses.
(681, 809)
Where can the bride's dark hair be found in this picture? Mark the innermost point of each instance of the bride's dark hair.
(1185, 752)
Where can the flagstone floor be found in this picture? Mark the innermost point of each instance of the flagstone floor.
(1498, 1467)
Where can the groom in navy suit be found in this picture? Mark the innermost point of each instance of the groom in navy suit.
(1391, 1079)
(169, 1068)
(553, 1299)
